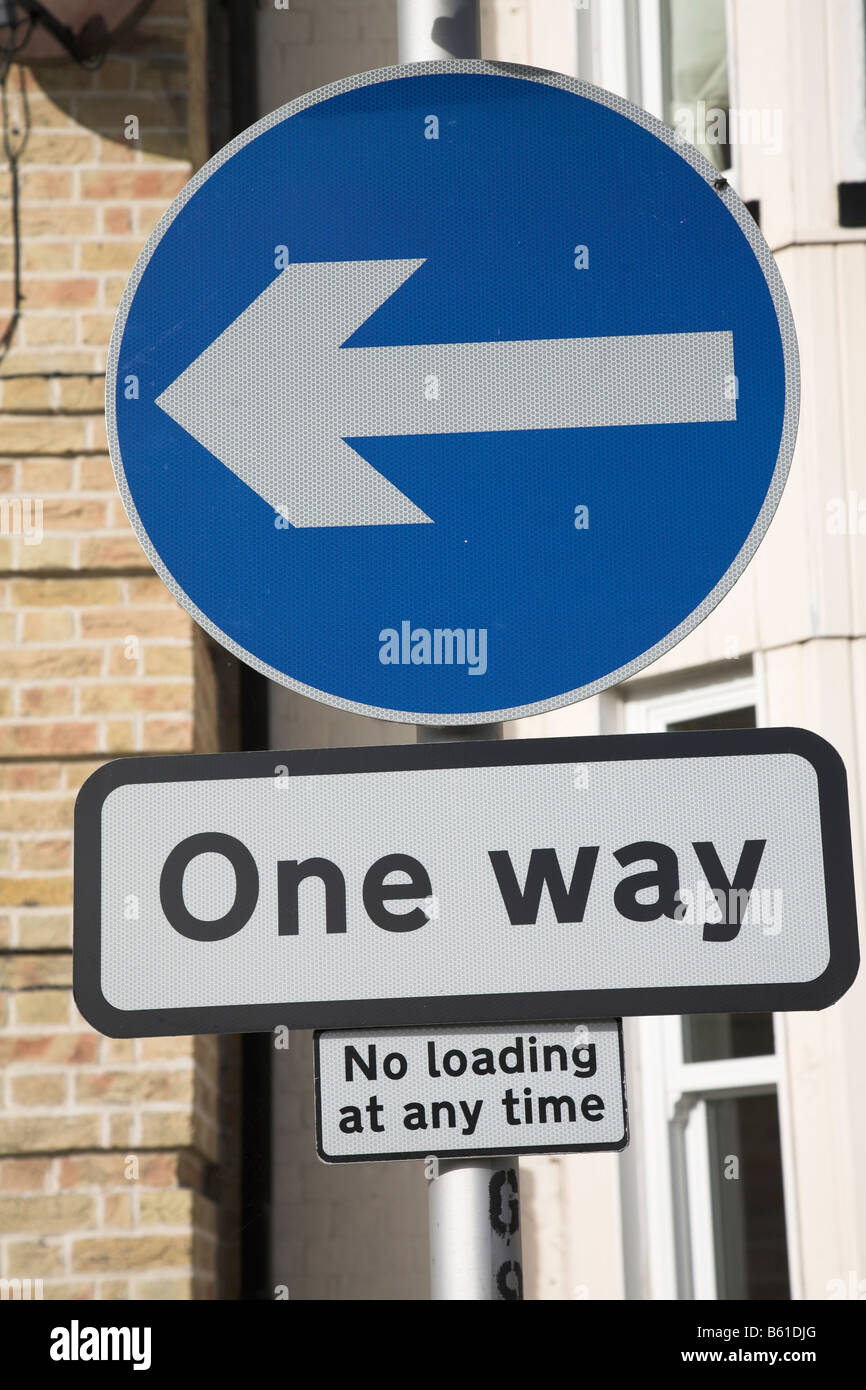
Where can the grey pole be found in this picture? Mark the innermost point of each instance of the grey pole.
(428, 29)
(474, 1203)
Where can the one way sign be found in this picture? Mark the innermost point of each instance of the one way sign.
(525, 880)
(453, 392)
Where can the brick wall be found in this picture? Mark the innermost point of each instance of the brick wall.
(108, 1149)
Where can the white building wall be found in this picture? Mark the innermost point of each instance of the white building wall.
(798, 615)
(798, 611)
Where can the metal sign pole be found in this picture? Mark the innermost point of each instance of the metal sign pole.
(474, 1203)
(430, 29)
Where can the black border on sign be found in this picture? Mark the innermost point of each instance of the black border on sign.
(538, 1007)
(528, 1150)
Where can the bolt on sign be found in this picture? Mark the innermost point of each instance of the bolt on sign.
(526, 881)
(550, 1088)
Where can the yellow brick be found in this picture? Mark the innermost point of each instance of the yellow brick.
(46, 186)
(37, 1091)
(96, 328)
(62, 291)
(44, 931)
(38, 362)
(45, 700)
(47, 1134)
(49, 147)
(114, 1253)
(134, 622)
(48, 627)
(26, 393)
(112, 289)
(120, 735)
(117, 221)
(38, 476)
(168, 661)
(166, 144)
(66, 1291)
(132, 1087)
(61, 737)
(44, 330)
(102, 112)
(7, 627)
(43, 1006)
(166, 1129)
(167, 735)
(165, 1049)
(45, 112)
(109, 255)
(46, 1214)
(123, 660)
(24, 813)
(48, 1049)
(115, 1290)
(120, 1127)
(51, 553)
(82, 393)
(116, 552)
(66, 593)
(96, 475)
(33, 1259)
(45, 854)
(73, 514)
(53, 663)
(61, 436)
(130, 697)
(76, 774)
(48, 255)
(118, 1209)
(108, 185)
(148, 590)
(171, 1208)
(24, 1174)
(31, 777)
(37, 971)
(73, 220)
(174, 1290)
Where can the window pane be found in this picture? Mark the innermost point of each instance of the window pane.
(696, 75)
(748, 1202)
(728, 719)
(712, 1037)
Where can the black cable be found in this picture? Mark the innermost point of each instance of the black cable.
(14, 142)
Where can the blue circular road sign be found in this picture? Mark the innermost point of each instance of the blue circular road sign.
(453, 392)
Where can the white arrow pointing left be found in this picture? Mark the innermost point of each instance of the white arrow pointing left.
(275, 397)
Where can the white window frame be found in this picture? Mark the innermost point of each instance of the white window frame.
(645, 32)
(673, 1137)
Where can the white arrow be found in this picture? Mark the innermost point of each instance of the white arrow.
(275, 397)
